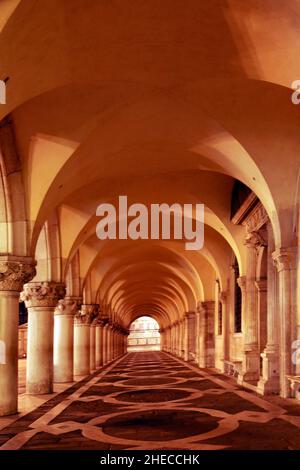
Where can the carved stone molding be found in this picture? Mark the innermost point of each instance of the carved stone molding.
(208, 305)
(76, 299)
(15, 272)
(87, 314)
(255, 239)
(261, 285)
(223, 297)
(285, 258)
(241, 282)
(257, 218)
(42, 294)
(66, 306)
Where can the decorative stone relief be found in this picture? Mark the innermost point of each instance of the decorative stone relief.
(14, 273)
(42, 294)
(66, 306)
(87, 314)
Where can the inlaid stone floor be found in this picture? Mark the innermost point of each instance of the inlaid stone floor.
(153, 401)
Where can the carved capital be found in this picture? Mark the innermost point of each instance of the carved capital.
(87, 314)
(261, 285)
(223, 297)
(255, 239)
(15, 272)
(66, 306)
(76, 299)
(208, 305)
(241, 281)
(42, 294)
(285, 258)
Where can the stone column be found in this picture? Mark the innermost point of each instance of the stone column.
(64, 340)
(104, 344)
(191, 337)
(82, 322)
(251, 360)
(93, 346)
(225, 329)
(13, 273)
(40, 298)
(181, 338)
(162, 340)
(197, 335)
(109, 342)
(99, 343)
(94, 312)
(269, 382)
(286, 262)
(207, 334)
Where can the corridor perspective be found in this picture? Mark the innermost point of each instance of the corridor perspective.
(149, 400)
(149, 168)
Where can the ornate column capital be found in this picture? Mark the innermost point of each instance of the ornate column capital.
(208, 305)
(86, 314)
(223, 297)
(241, 281)
(190, 314)
(66, 306)
(15, 272)
(261, 285)
(285, 258)
(255, 239)
(42, 294)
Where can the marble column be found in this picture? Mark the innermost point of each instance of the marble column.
(40, 298)
(109, 342)
(191, 337)
(82, 322)
(286, 263)
(104, 344)
(181, 338)
(99, 343)
(93, 346)
(269, 382)
(225, 328)
(14, 272)
(206, 334)
(197, 335)
(251, 359)
(64, 340)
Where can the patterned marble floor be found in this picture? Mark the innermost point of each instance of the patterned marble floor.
(153, 401)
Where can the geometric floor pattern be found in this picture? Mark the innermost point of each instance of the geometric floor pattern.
(150, 400)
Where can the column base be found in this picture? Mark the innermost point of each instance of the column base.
(251, 367)
(269, 382)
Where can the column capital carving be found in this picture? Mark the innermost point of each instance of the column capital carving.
(76, 299)
(66, 306)
(42, 294)
(241, 281)
(255, 239)
(208, 305)
(86, 314)
(15, 272)
(261, 285)
(223, 296)
(190, 314)
(285, 258)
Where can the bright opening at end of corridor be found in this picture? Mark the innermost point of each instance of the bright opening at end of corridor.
(143, 335)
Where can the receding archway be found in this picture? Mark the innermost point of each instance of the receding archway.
(143, 335)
